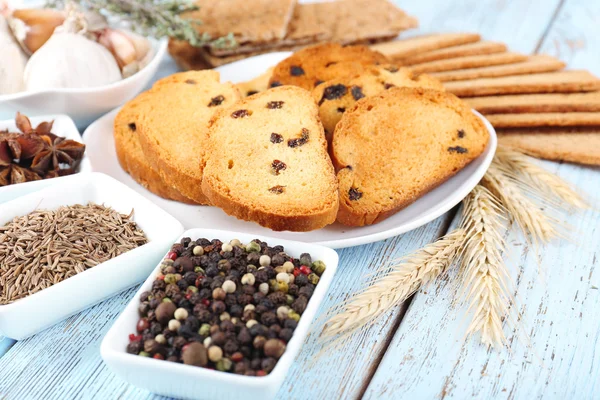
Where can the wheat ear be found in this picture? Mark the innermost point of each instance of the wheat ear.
(484, 275)
(520, 167)
(533, 221)
(403, 279)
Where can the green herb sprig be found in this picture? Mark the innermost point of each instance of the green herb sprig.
(157, 18)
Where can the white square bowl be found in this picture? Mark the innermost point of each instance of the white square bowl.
(190, 382)
(27, 316)
(63, 126)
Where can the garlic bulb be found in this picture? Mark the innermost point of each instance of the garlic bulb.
(33, 27)
(12, 61)
(70, 60)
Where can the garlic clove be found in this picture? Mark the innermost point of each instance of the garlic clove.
(141, 44)
(33, 27)
(119, 45)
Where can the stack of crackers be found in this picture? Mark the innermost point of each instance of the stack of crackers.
(532, 101)
(262, 26)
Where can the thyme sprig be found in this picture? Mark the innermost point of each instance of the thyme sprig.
(157, 18)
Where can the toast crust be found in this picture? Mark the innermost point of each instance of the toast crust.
(388, 155)
(174, 131)
(131, 157)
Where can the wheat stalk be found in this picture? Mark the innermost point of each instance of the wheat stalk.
(484, 275)
(519, 167)
(533, 221)
(407, 276)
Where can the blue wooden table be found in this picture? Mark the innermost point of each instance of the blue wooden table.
(417, 351)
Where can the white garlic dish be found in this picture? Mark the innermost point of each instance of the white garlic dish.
(68, 49)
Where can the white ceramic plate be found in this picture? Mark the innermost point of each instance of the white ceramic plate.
(63, 126)
(38, 311)
(101, 150)
(86, 104)
(189, 382)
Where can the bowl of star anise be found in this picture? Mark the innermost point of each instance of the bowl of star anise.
(34, 150)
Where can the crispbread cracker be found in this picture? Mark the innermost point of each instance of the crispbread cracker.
(392, 148)
(256, 85)
(533, 64)
(463, 50)
(173, 131)
(187, 57)
(252, 21)
(303, 29)
(536, 103)
(576, 145)
(361, 21)
(551, 82)
(400, 49)
(316, 64)
(336, 96)
(544, 119)
(460, 63)
(268, 162)
(130, 154)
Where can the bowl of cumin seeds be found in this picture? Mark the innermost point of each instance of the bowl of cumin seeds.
(72, 245)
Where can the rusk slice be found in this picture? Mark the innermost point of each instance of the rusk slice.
(130, 155)
(269, 162)
(579, 145)
(533, 64)
(544, 119)
(174, 130)
(316, 64)
(536, 103)
(336, 96)
(392, 148)
(404, 48)
(460, 63)
(463, 50)
(551, 82)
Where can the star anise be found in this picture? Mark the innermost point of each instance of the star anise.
(13, 173)
(24, 125)
(57, 151)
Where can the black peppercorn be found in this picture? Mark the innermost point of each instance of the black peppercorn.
(230, 347)
(212, 271)
(299, 305)
(286, 334)
(268, 318)
(183, 284)
(158, 285)
(244, 337)
(144, 296)
(306, 291)
(236, 310)
(290, 324)
(301, 280)
(218, 338)
(268, 364)
(227, 326)
(218, 307)
(143, 308)
(134, 347)
(248, 289)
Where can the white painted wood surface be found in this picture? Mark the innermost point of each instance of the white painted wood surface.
(428, 357)
(422, 355)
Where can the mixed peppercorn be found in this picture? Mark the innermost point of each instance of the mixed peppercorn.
(225, 306)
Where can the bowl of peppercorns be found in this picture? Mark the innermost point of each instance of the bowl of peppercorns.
(222, 316)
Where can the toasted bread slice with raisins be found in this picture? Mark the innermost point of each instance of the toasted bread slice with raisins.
(173, 130)
(268, 162)
(130, 155)
(313, 65)
(334, 97)
(394, 147)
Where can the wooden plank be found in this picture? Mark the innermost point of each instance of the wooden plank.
(428, 357)
(518, 23)
(574, 36)
(64, 361)
(5, 344)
